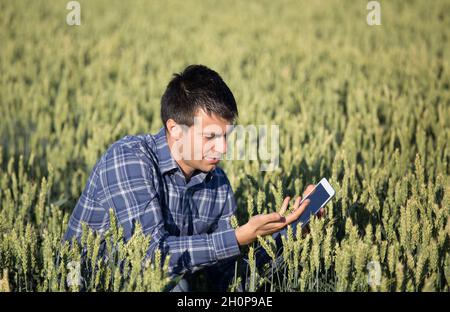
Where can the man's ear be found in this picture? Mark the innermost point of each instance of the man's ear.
(174, 129)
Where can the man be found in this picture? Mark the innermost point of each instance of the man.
(170, 183)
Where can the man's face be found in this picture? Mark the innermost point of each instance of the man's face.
(203, 144)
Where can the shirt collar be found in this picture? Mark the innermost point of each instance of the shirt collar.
(168, 163)
(165, 159)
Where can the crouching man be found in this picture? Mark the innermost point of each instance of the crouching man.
(170, 183)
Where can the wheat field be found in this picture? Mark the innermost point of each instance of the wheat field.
(368, 107)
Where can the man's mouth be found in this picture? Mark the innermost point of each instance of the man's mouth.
(213, 159)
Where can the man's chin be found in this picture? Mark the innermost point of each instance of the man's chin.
(208, 167)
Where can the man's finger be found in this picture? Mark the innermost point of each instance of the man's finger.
(273, 217)
(284, 205)
(308, 190)
(273, 227)
(297, 203)
(297, 213)
(321, 212)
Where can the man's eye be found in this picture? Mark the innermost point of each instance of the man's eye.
(210, 136)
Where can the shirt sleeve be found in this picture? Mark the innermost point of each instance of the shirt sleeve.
(129, 185)
(229, 209)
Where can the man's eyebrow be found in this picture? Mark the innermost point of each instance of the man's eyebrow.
(212, 132)
(227, 132)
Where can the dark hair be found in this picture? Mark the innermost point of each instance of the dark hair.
(197, 87)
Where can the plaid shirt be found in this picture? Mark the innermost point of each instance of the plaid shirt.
(138, 178)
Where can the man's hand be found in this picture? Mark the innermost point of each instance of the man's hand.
(265, 224)
(320, 214)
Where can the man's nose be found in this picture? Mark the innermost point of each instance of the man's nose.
(221, 145)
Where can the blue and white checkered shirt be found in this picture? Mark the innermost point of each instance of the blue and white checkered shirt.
(139, 179)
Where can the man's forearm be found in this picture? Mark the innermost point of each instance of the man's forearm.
(187, 252)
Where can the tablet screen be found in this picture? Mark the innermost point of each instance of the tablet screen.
(318, 198)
